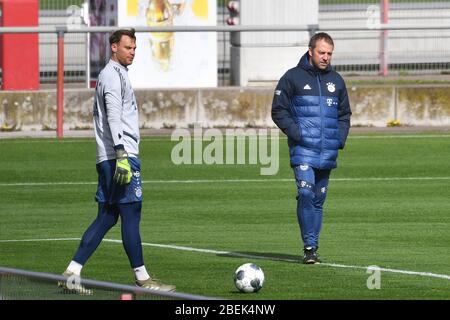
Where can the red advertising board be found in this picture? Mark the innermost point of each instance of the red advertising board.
(19, 53)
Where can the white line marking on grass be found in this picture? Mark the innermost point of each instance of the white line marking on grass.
(40, 240)
(31, 184)
(243, 255)
(167, 138)
(40, 184)
(75, 140)
(400, 136)
(390, 178)
(415, 273)
(406, 136)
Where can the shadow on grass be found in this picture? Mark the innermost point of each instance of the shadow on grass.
(264, 256)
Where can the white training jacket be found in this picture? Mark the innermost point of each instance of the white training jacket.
(116, 120)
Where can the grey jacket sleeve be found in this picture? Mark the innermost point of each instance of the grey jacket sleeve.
(114, 107)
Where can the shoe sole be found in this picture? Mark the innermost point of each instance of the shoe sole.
(311, 262)
(77, 292)
(157, 289)
(81, 292)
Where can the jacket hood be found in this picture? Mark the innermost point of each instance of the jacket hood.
(306, 65)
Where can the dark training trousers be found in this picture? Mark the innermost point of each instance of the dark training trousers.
(114, 201)
(312, 185)
(130, 214)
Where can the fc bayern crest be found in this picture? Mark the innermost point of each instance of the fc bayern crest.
(138, 192)
(331, 87)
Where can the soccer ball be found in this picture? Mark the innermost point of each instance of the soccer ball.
(249, 278)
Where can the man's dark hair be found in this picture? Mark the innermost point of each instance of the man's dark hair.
(320, 36)
(117, 35)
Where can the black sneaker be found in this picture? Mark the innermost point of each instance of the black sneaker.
(310, 256)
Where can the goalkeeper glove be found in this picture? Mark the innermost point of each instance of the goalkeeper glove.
(123, 170)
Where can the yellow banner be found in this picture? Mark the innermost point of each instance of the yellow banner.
(132, 8)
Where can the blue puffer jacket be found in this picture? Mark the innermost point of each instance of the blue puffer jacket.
(311, 107)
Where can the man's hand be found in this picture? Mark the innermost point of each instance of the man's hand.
(123, 170)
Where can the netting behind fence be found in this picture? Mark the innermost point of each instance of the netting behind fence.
(407, 51)
(18, 284)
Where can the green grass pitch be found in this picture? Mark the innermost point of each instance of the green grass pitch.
(388, 205)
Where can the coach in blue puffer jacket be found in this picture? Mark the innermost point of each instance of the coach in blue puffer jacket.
(311, 107)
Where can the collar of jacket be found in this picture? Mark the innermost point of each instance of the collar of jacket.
(306, 65)
(118, 64)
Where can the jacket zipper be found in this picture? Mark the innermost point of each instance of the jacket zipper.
(321, 119)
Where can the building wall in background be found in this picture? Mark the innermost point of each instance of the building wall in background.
(265, 56)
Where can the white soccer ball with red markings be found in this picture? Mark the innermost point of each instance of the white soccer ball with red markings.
(249, 278)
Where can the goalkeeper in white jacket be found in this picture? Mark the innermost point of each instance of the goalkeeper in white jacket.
(119, 191)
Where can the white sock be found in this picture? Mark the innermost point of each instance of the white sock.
(141, 273)
(75, 267)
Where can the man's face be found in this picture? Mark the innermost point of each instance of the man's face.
(124, 50)
(320, 56)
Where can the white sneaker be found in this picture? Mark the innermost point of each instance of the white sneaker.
(72, 285)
